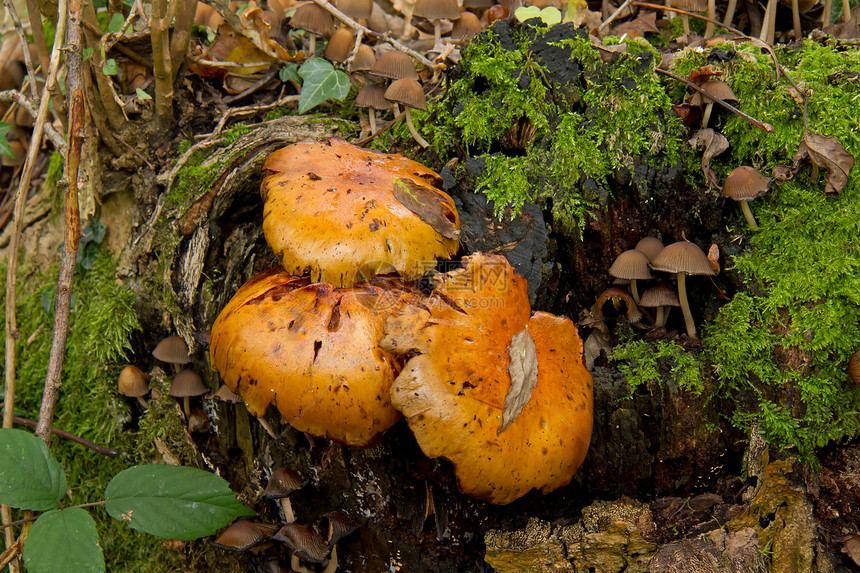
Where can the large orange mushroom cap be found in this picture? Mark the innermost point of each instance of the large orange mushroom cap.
(334, 208)
(312, 351)
(453, 393)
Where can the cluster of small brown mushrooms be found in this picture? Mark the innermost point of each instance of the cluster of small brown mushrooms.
(499, 391)
(680, 259)
(305, 542)
(134, 383)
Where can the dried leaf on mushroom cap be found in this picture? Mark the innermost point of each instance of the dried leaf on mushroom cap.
(330, 209)
(312, 351)
(453, 390)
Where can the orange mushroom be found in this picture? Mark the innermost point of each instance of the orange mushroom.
(463, 398)
(312, 351)
(334, 208)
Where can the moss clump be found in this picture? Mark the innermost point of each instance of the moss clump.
(655, 362)
(589, 118)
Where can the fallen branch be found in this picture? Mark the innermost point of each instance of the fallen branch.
(15, 96)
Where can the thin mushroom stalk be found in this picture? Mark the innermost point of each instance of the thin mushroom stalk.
(685, 305)
(745, 207)
(415, 135)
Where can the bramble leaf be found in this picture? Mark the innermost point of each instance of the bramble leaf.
(30, 476)
(64, 539)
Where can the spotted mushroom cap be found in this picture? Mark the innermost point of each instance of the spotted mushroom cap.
(454, 391)
(333, 208)
(312, 351)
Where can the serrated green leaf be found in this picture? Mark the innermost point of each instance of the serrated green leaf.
(110, 68)
(289, 73)
(321, 82)
(64, 540)
(142, 95)
(30, 476)
(116, 22)
(5, 148)
(173, 502)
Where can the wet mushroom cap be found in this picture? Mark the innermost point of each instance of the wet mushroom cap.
(364, 59)
(340, 45)
(312, 351)
(372, 95)
(651, 246)
(453, 391)
(172, 350)
(683, 257)
(632, 265)
(314, 19)
(133, 382)
(717, 88)
(334, 208)
(282, 483)
(303, 541)
(243, 535)
(408, 92)
(340, 525)
(745, 183)
(187, 383)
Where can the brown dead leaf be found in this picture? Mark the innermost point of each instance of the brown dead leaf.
(824, 152)
(702, 74)
(523, 370)
(714, 257)
(426, 205)
(644, 22)
(257, 30)
(713, 143)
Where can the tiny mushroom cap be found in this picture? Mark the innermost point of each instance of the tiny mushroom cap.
(133, 382)
(303, 541)
(282, 484)
(651, 246)
(690, 6)
(340, 45)
(172, 350)
(243, 535)
(437, 10)
(683, 258)
(409, 92)
(186, 384)
(744, 184)
(660, 295)
(854, 367)
(720, 90)
(394, 65)
(340, 525)
(372, 97)
(355, 8)
(364, 59)
(467, 346)
(466, 28)
(632, 265)
(618, 296)
(314, 19)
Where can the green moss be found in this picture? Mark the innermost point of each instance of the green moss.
(589, 118)
(645, 363)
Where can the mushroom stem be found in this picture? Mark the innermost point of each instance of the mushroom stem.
(666, 312)
(686, 21)
(418, 139)
(297, 566)
(371, 118)
(634, 292)
(685, 306)
(712, 14)
(706, 116)
(312, 45)
(658, 320)
(730, 12)
(289, 516)
(331, 566)
(143, 403)
(186, 405)
(846, 11)
(795, 18)
(437, 33)
(825, 15)
(745, 207)
(268, 428)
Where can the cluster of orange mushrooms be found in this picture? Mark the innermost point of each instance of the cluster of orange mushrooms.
(482, 381)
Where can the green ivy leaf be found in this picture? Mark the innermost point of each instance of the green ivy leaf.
(142, 95)
(88, 52)
(173, 502)
(290, 73)
(64, 540)
(116, 22)
(321, 82)
(30, 476)
(110, 68)
(5, 148)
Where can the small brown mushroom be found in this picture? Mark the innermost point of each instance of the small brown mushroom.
(716, 88)
(339, 526)
(683, 258)
(436, 11)
(186, 384)
(394, 65)
(409, 92)
(372, 98)
(304, 543)
(243, 535)
(364, 59)
(743, 185)
(340, 45)
(466, 28)
(651, 246)
(315, 21)
(282, 484)
(133, 384)
(172, 350)
(854, 367)
(663, 297)
(631, 265)
(355, 8)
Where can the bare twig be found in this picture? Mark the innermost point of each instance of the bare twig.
(764, 126)
(22, 37)
(109, 40)
(161, 64)
(69, 436)
(13, 95)
(236, 111)
(77, 110)
(181, 37)
(356, 27)
(614, 15)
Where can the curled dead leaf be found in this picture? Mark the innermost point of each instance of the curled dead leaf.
(523, 369)
(713, 143)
